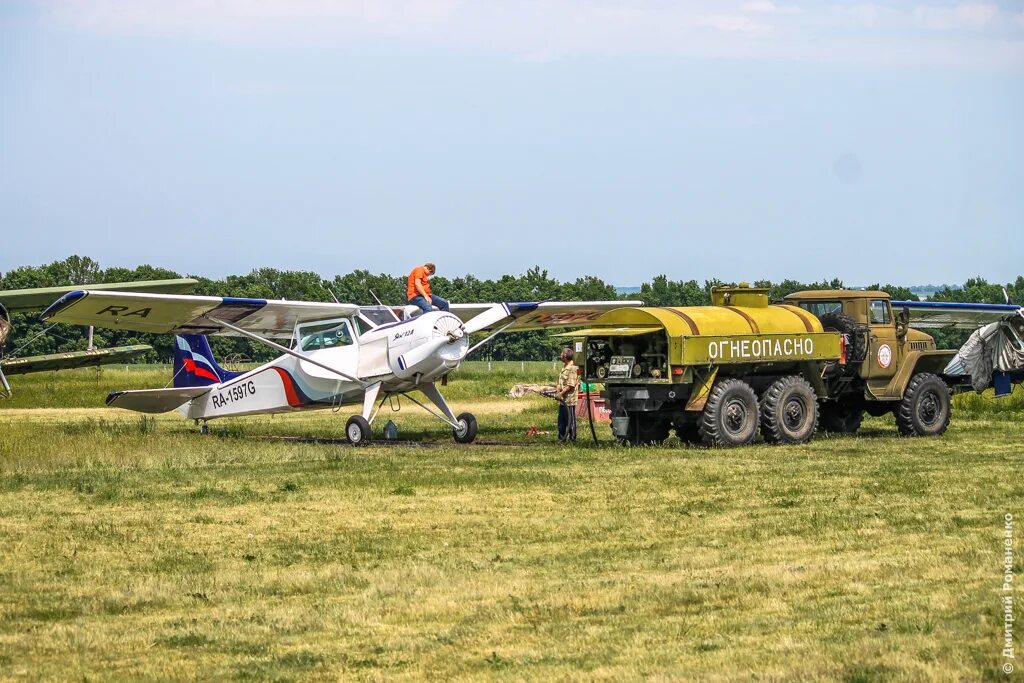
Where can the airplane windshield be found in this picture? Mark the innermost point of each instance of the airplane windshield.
(378, 315)
(326, 335)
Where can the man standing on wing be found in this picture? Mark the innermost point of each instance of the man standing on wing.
(418, 291)
(566, 389)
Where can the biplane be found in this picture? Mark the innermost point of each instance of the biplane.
(15, 301)
(331, 354)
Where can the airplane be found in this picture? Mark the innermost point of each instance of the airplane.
(334, 354)
(993, 355)
(13, 301)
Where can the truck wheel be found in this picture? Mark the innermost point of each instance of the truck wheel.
(838, 418)
(357, 430)
(730, 415)
(925, 408)
(855, 332)
(789, 411)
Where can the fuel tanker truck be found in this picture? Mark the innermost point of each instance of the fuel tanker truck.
(719, 374)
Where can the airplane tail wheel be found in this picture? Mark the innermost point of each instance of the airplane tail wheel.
(357, 430)
(466, 431)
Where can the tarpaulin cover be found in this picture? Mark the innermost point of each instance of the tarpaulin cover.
(996, 347)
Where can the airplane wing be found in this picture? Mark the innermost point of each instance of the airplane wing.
(525, 316)
(72, 359)
(184, 314)
(27, 300)
(963, 316)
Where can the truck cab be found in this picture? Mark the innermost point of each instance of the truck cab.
(886, 360)
(886, 345)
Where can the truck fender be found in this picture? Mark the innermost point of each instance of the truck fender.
(700, 394)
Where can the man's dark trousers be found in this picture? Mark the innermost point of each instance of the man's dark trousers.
(566, 422)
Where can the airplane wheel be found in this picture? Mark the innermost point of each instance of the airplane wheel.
(357, 430)
(467, 428)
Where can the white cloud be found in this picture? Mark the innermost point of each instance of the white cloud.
(768, 7)
(732, 23)
(546, 29)
(967, 16)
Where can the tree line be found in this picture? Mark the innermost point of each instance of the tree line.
(361, 286)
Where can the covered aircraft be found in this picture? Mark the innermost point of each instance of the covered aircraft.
(993, 355)
(33, 300)
(332, 354)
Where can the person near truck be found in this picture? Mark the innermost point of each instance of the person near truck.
(566, 389)
(418, 290)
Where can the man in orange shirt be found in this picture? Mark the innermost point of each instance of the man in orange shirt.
(418, 291)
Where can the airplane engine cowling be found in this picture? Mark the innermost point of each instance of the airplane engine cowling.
(426, 345)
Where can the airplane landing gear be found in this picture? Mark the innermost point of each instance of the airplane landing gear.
(466, 431)
(357, 430)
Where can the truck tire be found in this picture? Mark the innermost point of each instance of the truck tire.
(789, 411)
(839, 418)
(925, 409)
(730, 415)
(856, 333)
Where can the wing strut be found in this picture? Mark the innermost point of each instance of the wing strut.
(489, 337)
(290, 352)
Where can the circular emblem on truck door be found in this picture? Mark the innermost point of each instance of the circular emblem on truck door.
(884, 356)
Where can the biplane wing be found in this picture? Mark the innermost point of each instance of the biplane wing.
(72, 359)
(521, 317)
(963, 316)
(37, 299)
(184, 314)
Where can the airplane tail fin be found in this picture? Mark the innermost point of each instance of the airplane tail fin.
(194, 365)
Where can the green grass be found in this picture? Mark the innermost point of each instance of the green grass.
(136, 548)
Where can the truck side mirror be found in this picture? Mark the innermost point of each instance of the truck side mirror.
(902, 322)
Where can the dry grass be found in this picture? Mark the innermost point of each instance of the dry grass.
(139, 549)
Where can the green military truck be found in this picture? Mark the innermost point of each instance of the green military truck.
(719, 374)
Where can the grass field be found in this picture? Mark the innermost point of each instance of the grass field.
(136, 548)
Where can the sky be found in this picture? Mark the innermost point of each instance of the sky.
(740, 140)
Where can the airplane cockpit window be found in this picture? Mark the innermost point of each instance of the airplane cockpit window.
(378, 315)
(326, 335)
(820, 308)
(362, 325)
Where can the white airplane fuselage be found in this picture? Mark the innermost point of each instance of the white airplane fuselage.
(392, 358)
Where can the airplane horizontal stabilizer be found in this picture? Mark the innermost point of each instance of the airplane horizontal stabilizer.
(154, 400)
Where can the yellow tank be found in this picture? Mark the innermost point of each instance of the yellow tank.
(739, 327)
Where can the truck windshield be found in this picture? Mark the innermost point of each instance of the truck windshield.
(820, 308)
